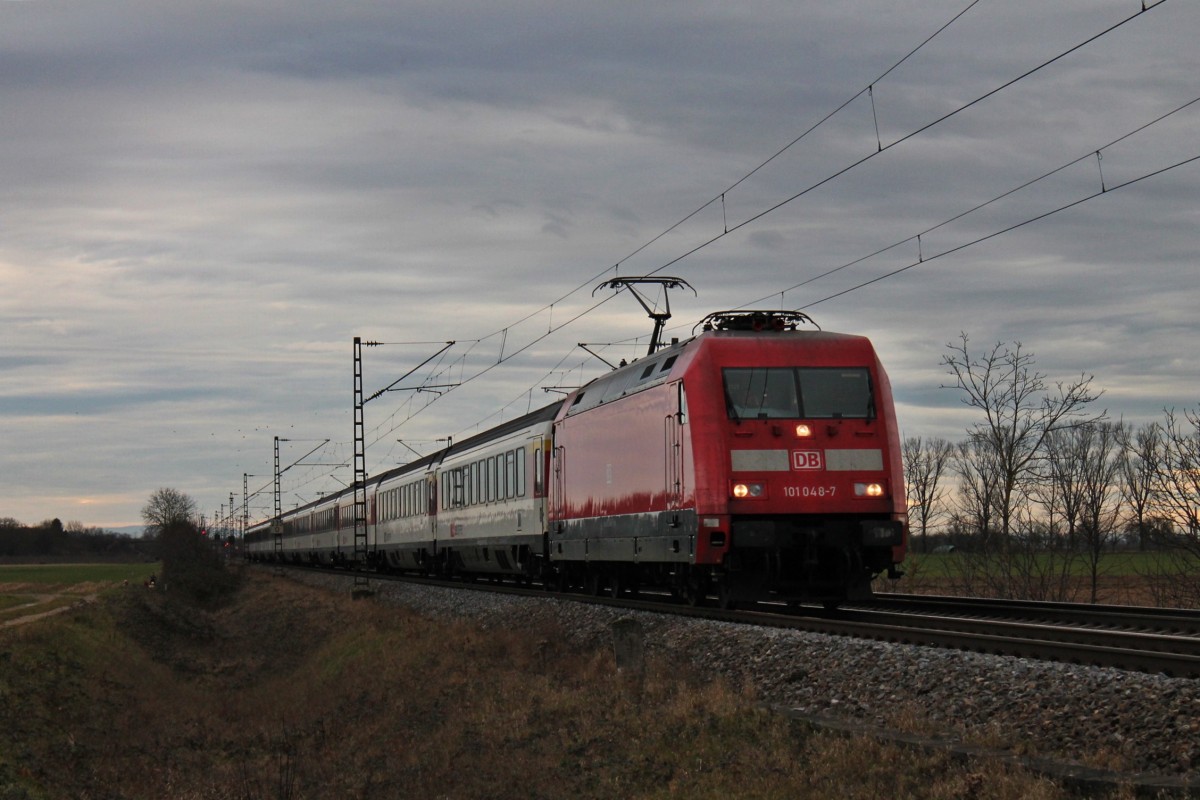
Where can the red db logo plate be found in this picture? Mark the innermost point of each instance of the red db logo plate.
(807, 459)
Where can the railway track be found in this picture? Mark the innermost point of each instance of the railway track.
(1130, 638)
(1143, 640)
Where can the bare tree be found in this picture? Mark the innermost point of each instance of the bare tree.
(1177, 483)
(1061, 488)
(1141, 461)
(978, 488)
(167, 508)
(925, 463)
(1101, 492)
(1019, 413)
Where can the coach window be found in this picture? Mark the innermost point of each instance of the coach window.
(520, 455)
(510, 475)
(539, 466)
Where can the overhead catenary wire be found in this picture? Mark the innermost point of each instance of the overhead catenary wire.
(925, 258)
(551, 329)
(906, 137)
(505, 357)
(918, 236)
(853, 165)
(615, 268)
(1009, 229)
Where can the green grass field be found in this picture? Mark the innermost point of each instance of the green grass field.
(27, 589)
(59, 575)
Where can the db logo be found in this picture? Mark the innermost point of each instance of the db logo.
(806, 459)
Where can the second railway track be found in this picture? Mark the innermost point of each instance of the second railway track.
(1139, 639)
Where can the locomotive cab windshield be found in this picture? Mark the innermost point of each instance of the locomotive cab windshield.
(798, 393)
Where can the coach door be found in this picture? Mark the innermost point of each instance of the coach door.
(674, 446)
(431, 508)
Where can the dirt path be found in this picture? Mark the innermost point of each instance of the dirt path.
(32, 614)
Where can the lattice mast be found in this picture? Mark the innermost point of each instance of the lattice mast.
(361, 550)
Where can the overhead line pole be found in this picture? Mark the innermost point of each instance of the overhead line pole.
(277, 520)
(361, 550)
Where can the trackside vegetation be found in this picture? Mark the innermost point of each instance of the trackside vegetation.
(284, 691)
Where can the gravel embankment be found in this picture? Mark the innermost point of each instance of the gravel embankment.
(1104, 718)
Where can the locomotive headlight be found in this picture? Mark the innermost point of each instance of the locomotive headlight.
(803, 431)
(868, 490)
(752, 491)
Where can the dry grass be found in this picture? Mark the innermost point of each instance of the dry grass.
(290, 692)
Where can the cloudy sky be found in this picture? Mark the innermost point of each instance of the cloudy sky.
(201, 204)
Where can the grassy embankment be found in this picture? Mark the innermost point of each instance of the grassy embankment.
(291, 692)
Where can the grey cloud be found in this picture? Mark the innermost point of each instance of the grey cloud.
(207, 202)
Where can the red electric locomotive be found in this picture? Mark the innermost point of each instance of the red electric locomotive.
(753, 461)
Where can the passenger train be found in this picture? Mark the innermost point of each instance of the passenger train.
(751, 461)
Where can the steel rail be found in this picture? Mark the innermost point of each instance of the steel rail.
(1169, 654)
(1180, 621)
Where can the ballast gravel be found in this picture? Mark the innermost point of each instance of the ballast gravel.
(1102, 718)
